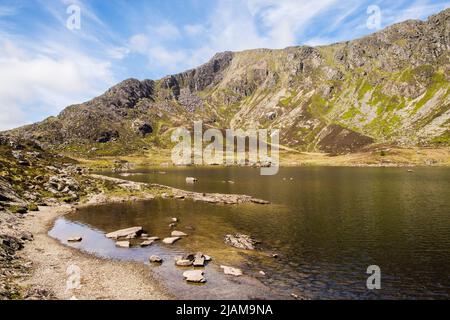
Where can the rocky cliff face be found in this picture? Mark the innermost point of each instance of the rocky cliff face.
(389, 87)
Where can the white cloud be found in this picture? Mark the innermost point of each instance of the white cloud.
(42, 84)
(7, 11)
(118, 53)
(285, 19)
(139, 43)
(194, 29)
(165, 31)
(419, 9)
(231, 25)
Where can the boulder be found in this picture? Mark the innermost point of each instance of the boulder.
(108, 136)
(146, 243)
(155, 259)
(123, 244)
(134, 231)
(26, 236)
(259, 201)
(195, 276)
(174, 219)
(207, 258)
(240, 241)
(191, 180)
(171, 240)
(142, 128)
(199, 260)
(181, 262)
(178, 234)
(75, 239)
(271, 115)
(231, 271)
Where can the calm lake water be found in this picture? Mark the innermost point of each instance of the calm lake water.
(326, 224)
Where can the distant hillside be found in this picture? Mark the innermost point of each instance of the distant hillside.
(389, 87)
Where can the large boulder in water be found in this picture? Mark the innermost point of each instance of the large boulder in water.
(129, 232)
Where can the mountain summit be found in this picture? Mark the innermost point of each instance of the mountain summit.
(389, 87)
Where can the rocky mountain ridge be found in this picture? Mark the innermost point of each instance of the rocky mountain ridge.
(390, 87)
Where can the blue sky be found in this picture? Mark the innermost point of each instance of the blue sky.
(44, 66)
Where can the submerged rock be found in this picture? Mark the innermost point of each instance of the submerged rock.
(129, 232)
(147, 243)
(259, 201)
(195, 276)
(123, 244)
(155, 259)
(240, 241)
(178, 234)
(231, 271)
(171, 240)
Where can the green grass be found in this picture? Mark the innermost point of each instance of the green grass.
(438, 82)
(443, 139)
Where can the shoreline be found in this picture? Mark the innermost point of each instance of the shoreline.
(389, 157)
(101, 278)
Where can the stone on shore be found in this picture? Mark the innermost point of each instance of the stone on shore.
(123, 244)
(153, 238)
(75, 239)
(129, 232)
(155, 259)
(240, 241)
(178, 234)
(171, 240)
(195, 276)
(174, 219)
(231, 271)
